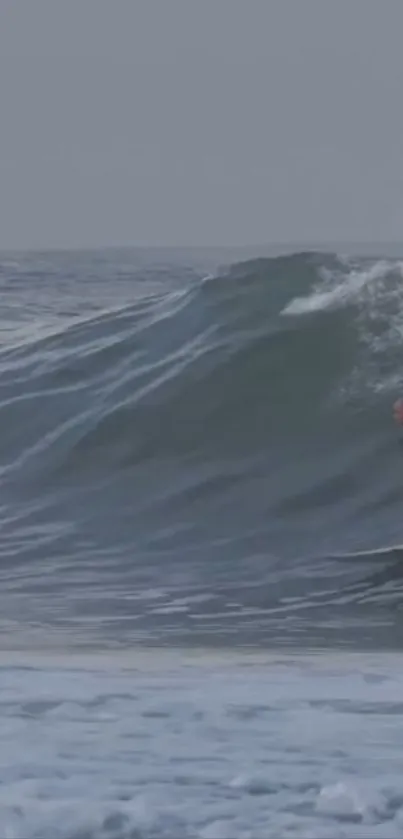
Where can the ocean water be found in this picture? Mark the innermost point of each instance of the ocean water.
(201, 580)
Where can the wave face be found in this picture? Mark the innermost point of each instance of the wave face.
(193, 457)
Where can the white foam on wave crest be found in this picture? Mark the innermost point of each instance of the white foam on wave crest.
(376, 292)
(215, 747)
(338, 289)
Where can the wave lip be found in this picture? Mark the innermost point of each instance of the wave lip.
(348, 289)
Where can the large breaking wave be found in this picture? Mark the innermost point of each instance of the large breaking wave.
(224, 441)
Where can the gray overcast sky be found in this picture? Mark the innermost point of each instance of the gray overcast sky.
(200, 121)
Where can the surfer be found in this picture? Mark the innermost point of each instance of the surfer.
(398, 411)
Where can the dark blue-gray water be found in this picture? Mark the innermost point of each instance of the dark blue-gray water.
(194, 454)
(201, 484)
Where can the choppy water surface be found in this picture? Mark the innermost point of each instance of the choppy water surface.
(216, 747)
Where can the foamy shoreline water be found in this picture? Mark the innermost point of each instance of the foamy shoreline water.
(168, 744)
